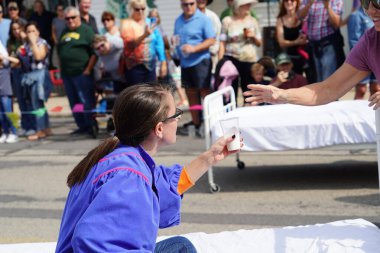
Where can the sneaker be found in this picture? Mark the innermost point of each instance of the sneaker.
(12, 138)
(3, 138)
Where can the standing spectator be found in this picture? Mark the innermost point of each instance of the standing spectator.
(58, 24)
(9, 130)
(57, 27)
(286, 77)
(289, 34)
(77, 60)
(239, 40)
(14, 12)
(229, 11)
(357, 25)
(34, 58)
(214, 49)
(110, 29)
(44, 19)
(325, 40)
(174, 71)
(196, 36)
(143, 44)
(85, 16)
(17, 38)
(4, 27)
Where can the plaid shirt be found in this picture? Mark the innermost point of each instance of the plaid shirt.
(318, 19)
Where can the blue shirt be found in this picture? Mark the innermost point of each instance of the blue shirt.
(121, 204)
(4, 30)
(193, 31)
(357, 25)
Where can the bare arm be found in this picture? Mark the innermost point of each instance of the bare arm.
(39, 50)
(205, 45)
(301, 40)
(216, 153)
(54, 37)
(222, 48)
(90, 65)
(324, 92)
(302, 13)
(334, 18)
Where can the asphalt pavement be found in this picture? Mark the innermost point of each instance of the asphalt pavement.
(275, 189)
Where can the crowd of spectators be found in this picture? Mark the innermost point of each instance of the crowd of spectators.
(139, 51)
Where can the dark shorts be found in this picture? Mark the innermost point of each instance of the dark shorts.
(198, 76)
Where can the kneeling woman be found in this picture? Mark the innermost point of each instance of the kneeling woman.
(118, 196)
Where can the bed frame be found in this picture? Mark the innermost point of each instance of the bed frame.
(215, 107)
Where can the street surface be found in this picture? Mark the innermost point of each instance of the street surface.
(275, 189)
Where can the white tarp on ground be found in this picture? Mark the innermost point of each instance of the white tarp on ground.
(348, 236)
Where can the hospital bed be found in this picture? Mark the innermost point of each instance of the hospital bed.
(289, 127)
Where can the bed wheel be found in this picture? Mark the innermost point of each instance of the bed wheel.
(240, 165)
(215, 188)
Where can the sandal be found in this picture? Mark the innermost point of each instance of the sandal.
(47, 132)
(37, 136)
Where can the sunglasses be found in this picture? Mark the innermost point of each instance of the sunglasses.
(366, 3)
(177, 115)
(70, 18)
(100, 46)
(188, 4)
(139, 9)
(12, 9)
(106, 19)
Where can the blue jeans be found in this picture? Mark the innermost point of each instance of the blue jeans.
(5, 122)
(28, 122)
(177, 244)
(325, 60)
(81, 90)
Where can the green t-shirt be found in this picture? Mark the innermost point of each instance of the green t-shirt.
(228, 12)
(75, 50)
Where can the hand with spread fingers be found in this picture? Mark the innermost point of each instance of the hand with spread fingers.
(258, 94)
(374, 100)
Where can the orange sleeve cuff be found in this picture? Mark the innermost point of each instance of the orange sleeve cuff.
(184, 182)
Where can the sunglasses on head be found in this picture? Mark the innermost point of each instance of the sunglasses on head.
(177, 115)
(366, 3)
(70, 18)
(139, 9)
(100, 46)
(188, 4)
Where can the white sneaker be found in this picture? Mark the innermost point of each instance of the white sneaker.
(3, 138)
(12, 138)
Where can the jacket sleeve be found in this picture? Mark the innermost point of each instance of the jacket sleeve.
(122, 217)
(170, 200)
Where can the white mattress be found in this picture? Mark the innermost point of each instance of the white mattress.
(348, 236)
(283, 127)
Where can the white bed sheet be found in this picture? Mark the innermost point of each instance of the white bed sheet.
(348, 236)
(283, 127)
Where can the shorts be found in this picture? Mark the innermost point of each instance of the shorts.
(198, 76)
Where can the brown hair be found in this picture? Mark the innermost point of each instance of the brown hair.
(282, 11)
(136, 112)
(256, 67)
(107, 15)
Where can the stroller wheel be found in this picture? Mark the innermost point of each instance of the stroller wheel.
(110, 125)
(94, 131)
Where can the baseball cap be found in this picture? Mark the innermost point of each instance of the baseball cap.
(283, 58)
(12, 5)
(238, 3)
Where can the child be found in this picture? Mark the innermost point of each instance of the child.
(257, 77)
